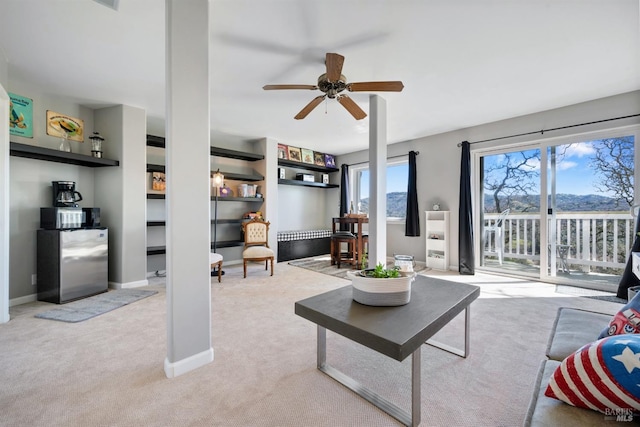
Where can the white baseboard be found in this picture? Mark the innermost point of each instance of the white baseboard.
(183, 366)
(128, 285)
(23, 300)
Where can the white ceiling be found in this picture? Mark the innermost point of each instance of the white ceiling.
(463, 62)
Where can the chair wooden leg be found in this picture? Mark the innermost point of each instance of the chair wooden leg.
(244, 266)
(272, 266)
(266, 264)
(220, 272)
(332, 250)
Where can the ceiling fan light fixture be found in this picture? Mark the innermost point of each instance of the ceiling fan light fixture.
(333, 82)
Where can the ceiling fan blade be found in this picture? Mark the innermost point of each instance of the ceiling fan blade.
(395, 86)
(278, 87)
(351, 107)
(309, 107)
(334, 64)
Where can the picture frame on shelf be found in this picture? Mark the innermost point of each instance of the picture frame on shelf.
(307, 156)
(329, 161)
(158, 181)
(318, 158)
(294, 154)
(61, 125)
(283, 152)
(20, 116)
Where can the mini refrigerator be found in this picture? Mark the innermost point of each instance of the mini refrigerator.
(72, 264)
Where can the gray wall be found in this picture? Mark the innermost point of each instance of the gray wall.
(438, 164)
(108, 188)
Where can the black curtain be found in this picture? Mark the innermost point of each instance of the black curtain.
(412, 223)
(465, 231)
(344, 194)
(629, 279)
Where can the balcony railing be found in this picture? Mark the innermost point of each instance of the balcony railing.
(591, 239)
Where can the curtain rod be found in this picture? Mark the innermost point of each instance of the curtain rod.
(542, 131)
(388, 158)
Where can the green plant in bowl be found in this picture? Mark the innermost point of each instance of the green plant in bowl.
(380, 272)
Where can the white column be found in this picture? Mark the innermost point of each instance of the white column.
(378, 180)
(188, 201)
(4, 206)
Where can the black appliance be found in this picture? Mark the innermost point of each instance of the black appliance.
(65, 194)
(90, 217)
(66, 218)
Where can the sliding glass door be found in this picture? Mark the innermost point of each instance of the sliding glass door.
(590, 200)
(559, 211)
(510, 211)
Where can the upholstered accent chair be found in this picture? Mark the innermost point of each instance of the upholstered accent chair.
(216, 263)
(256, 244)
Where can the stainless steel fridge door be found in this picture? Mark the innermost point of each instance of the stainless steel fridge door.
(83, 263)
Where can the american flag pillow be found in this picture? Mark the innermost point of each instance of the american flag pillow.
(626, 320)
(603, 375)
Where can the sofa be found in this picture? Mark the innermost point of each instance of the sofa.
(573, 328)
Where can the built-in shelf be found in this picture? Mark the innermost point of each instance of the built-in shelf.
(159, 250)
(47, 154)
(306, 183)
(158, 141)
(220, 221)
(220, 199)
(307, 166)
(227, 175)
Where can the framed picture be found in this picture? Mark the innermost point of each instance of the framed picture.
(318, 158)
(158, 181)
(307, 156)
(329, 161)
(59, 124)
(294, 154)
(20, 115)
(283, 153)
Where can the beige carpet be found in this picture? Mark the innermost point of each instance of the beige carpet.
(108, 371)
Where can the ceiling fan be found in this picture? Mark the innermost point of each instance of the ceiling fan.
(333, 83)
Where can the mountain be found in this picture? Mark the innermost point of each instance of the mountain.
(397, 203)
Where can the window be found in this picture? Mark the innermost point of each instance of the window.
(397, 182)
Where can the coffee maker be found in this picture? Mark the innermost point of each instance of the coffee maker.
(65, 194)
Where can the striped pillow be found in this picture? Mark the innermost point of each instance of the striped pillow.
(603, 375)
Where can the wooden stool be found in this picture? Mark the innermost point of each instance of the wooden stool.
(337, 239)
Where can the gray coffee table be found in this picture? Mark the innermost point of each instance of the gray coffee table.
(396, 332)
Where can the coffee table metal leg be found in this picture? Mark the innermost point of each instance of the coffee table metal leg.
(408, 419)
(462, 353)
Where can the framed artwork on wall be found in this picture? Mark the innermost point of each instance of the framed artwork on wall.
(307, 156)
(294, 154)
(20, 115)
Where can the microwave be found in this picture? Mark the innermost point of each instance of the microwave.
(60, 218)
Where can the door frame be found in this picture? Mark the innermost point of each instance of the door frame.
(543, 144)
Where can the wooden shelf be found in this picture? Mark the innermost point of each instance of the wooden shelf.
(242, 177)
(158, 141)
(306, 183)
(40, 153)
(227, 175)
(159, 250)
(307, 166)
(233, 154)
(220, 221)
(220, 199)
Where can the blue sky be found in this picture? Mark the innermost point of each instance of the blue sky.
(574, 175)
(397, 176)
